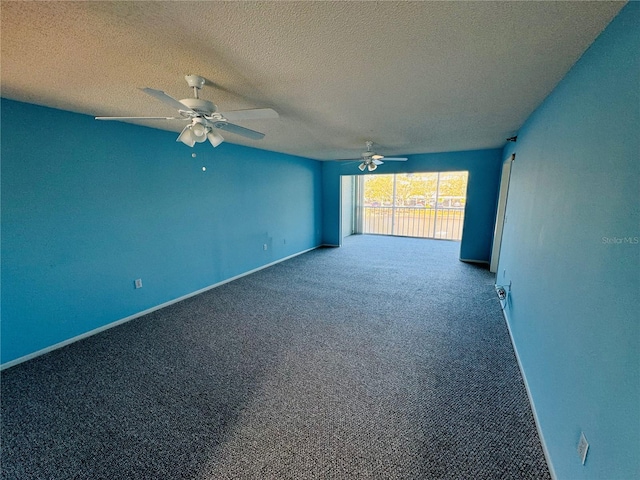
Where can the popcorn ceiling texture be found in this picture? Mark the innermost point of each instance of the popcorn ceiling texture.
(414, 77)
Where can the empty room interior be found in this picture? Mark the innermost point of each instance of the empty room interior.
(320, 240)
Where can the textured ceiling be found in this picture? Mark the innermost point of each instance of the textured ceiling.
(411, 76)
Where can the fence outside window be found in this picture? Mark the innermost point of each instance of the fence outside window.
(445, 223)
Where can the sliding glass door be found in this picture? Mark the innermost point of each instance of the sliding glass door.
(426, 205)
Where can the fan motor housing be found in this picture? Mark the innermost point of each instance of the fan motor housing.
(205, 107)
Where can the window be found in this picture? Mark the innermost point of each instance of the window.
(426, 205)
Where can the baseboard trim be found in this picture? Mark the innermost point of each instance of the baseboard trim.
(533, 406)
(95, 331)
(470, 260)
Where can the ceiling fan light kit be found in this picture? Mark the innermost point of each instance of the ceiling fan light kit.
(370, 166)
(204, 116)
(370, 160)
(214, 138)
(186, 137)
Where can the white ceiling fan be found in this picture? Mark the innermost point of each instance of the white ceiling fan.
(370, 160)
(203, 116)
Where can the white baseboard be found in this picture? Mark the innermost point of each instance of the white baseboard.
(533, 406)
(140, 314)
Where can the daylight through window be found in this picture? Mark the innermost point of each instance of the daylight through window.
(427, 205)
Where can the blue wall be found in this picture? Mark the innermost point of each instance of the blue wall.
(571, 248)
(484, 168)
(88, 206)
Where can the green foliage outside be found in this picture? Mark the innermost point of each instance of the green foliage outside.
(417, 189)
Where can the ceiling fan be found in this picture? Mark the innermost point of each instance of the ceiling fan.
(370, 160)
(203, 116)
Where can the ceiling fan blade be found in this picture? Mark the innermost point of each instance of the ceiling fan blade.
(237, 129)
(377, 162)
(377, 157)
(394, 159)
(140, 118)
(250, 114)
(166, 99)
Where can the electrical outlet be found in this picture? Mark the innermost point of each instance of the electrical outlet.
(583, 447)
(137, 283)
(502, 293)
(264, 247)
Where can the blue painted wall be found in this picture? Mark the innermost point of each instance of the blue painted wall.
(571, 248)
(484, 167)
(88, 206)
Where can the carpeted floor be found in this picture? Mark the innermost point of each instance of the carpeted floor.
(384, 359)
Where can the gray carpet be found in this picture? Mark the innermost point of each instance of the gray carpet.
(384, 359)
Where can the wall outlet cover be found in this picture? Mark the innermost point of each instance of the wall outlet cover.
(137, 283)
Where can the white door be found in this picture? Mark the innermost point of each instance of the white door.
(500, 215)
